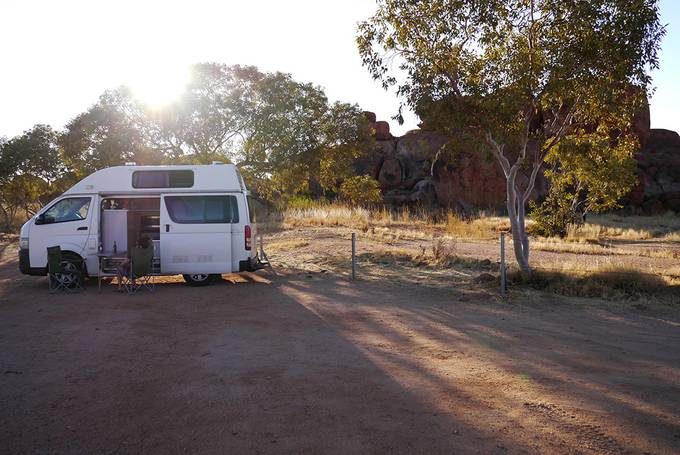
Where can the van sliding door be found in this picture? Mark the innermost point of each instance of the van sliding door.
(196, 232)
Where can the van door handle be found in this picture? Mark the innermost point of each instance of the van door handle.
(167, 228)
(82, 228)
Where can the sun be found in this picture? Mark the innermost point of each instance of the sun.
(159, 85)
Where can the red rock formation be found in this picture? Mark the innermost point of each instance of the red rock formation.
(411, 169)
(658, 189)
(381, 128)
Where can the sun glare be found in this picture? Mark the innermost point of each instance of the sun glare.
(159, 86)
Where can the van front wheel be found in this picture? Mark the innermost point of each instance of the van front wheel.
(198, 279)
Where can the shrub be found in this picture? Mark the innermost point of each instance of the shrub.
(361, 189)
(554, 216)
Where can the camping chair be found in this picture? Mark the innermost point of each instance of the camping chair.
(140, 271)
(61, 275)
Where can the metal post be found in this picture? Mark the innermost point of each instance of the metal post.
(503, 277)
(354, 256)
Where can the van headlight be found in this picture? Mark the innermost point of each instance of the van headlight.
(23, 243)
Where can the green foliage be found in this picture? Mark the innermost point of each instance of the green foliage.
(209, 119)
(106, 135)
(521, 75)
(589, 172)
(34, 152)
(553, 217)
(594, 169)
(361, 190)
(28, 164)
(303, 202)
(284, 135)
(490, 64)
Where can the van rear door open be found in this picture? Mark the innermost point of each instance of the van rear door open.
(196, 232)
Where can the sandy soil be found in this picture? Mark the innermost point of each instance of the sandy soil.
(313, 363)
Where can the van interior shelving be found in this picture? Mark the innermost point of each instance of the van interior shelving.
(137, 216)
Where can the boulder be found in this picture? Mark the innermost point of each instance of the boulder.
(370, 116)
(658, 188)
(391, 173)
(421, 145)
(382, 130)
(641, 124)
(468, 181)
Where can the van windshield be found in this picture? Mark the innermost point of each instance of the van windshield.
(69, 209)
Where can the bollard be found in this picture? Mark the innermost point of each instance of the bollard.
(354, 256)
(503, 277)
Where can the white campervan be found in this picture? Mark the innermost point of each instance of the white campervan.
(197, 216)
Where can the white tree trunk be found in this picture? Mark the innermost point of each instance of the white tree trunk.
(517, 215)
(516, 198)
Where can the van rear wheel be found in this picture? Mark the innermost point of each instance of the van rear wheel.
(198, 279)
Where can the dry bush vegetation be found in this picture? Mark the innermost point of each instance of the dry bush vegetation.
(420, 242)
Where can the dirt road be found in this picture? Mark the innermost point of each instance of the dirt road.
(302, 363)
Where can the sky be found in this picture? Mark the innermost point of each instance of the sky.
(56, 58)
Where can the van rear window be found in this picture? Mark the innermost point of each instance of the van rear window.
(163, 179)
(202, 209)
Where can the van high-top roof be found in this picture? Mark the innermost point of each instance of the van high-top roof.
(132, 179)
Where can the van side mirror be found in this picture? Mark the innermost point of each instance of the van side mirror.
(42, 219)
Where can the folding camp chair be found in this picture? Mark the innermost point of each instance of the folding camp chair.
(139, 275)
(62, 275)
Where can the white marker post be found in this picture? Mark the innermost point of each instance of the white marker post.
(503, 277)
(354, 257)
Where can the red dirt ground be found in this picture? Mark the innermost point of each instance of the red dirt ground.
(313, 363)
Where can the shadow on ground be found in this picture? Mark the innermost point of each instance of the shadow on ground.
(288, 363)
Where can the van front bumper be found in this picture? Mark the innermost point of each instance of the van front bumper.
(25, 265)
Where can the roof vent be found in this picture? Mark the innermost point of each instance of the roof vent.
(217, 162)
(131, 163)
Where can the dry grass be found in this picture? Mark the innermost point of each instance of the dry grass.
(285, 245)
(609, 282)
(378, 221)
(441, 254)
(663, 227)
(482, 226)
(331, 215)
(601, 249)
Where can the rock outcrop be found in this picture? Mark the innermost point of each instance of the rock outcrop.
(658, 160)
(417, 169)
(414, 169)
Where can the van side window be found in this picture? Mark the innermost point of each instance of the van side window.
(202, 209)
(163, 179)
(69, 209)
(253, 208)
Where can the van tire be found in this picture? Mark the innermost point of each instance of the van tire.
(198, 279)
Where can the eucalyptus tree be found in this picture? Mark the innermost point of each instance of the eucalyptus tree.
(208, 120)
(297, 141)
(29, 163)
(519, 74)
(107, 134)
